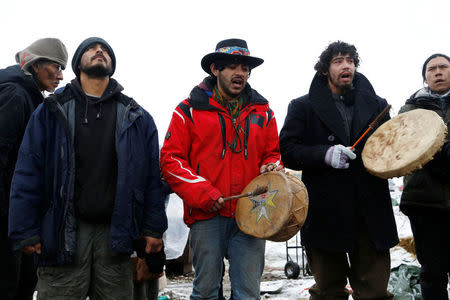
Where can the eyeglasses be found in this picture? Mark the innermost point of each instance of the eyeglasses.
(58, 67)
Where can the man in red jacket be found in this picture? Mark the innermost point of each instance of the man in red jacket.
(219, 139)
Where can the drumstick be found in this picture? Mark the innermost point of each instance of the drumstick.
(258, 191)
(372, 125)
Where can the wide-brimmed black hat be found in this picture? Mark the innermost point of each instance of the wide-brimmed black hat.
(232, 50)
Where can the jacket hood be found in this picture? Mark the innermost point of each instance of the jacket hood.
(13, 74)
(73, 90)
(74, 87)
(423, 92)
(423, 98)
(111, 90)
(199, 96)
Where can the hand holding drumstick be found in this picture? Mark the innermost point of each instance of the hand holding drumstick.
(220, 203)
(338, 156)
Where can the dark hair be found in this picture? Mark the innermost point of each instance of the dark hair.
(38, 63)
(428, 60)
(333, 49)
(220, 64)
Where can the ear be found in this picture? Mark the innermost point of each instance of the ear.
(35, 67)
(214, 70)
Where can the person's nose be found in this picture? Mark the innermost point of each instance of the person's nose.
(240, 71)
(98, 48)
(59, 75)
(346, 65)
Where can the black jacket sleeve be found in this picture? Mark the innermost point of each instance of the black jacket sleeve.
(295, 153)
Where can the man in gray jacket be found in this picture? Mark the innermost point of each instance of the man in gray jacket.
(426, 193)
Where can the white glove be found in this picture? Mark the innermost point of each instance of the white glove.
(337, 156)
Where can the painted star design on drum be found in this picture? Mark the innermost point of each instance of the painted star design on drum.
(262, 203)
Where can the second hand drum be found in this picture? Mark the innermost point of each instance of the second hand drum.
(277, 214)
(404, 144)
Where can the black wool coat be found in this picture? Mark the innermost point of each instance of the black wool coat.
(338, 197)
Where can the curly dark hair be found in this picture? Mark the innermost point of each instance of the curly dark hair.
(333, 49)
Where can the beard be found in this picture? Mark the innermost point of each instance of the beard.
(226, 90)
(96, 71)
(344, 87)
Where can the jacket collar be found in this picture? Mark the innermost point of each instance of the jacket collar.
(364, 108)
(424, 93)
(112, 90)
(73, 90)
(423, 99)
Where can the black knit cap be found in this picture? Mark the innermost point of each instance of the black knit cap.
(82, 48)
(231, 50)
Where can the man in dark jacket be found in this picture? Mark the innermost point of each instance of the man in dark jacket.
(426, 195)
(350, 224)
(219, 139)
(22, 85)
(87, 184)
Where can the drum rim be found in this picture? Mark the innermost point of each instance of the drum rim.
(270, 231)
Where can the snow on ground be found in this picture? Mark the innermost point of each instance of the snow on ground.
(180, 287)
(274, 277)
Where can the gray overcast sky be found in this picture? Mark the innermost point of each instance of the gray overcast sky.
(159, 44)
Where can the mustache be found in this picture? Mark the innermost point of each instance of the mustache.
(97, 56)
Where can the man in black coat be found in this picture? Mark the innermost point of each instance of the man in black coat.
(22, 85)
(350, 224)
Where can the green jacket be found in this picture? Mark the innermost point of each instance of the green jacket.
(429, 187)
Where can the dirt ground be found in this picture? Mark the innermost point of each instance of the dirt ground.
(179, 285)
